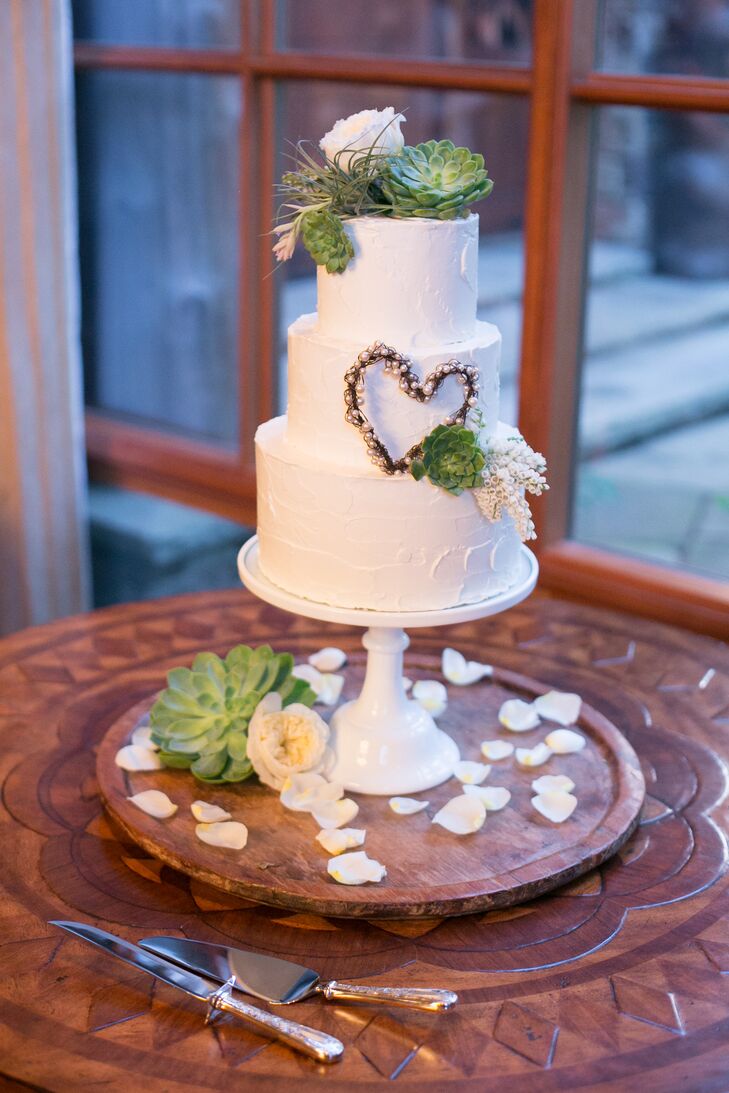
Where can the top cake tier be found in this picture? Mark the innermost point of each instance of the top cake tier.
(411, 282)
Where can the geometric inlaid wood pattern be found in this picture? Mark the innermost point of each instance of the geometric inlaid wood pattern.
(519, 855)
(617, 980)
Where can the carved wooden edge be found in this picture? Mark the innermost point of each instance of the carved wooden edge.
(447, 901)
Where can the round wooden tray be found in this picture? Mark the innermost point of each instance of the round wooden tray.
(516, 855)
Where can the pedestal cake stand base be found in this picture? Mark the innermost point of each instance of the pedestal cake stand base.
(384, 742)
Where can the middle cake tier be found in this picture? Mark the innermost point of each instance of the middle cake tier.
(317, 363)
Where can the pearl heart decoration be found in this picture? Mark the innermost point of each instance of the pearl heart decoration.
(409, 383)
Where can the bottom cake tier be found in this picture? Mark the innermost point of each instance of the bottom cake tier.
(372, 541)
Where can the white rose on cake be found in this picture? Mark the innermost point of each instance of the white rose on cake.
(286, 741)
(378, 130)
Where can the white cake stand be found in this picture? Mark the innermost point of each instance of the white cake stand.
(386, 743)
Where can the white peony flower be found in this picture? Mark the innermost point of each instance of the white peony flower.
(378, 130)
(286, 741)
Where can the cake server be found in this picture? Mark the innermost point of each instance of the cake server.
(281, 981)
(310, 1041)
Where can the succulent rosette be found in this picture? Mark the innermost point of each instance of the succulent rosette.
(200, 722)
(451, 458)
(435, 179)
(324, 237)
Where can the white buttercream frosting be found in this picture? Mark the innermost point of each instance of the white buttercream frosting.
(369, 540)
(411, 283)
(316, 406)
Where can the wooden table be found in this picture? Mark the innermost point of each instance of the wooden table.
(617, 981)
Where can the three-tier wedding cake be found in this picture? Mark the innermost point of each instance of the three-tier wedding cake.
(391, 370)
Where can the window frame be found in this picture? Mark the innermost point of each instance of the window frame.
(563, 91)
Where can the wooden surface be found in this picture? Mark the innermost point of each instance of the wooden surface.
(617, 981)
(517, 855)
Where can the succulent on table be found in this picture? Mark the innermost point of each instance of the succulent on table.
(326, 240)
(435, 179)
(200, 722)
(451, 458)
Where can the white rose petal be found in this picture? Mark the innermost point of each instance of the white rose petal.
(337, 841)
(431, 695)
(496, 749)
(517, 715)
(460, 671)
(355, 868)
(331, 689)
(286, 741)
(135, 757)
(560, 706)
(329, 814)
(329, 659)
(565, 741)
(378, 130)
(461, 815)
(469, 773)
(142, 737)
(555, 805)
(406, 684)
(208, 814)
(407, 806)
(229, 834)
(549, 782)
(325, 686)
(302, 792)
(533, 757)
(155, 803)
(493, 798)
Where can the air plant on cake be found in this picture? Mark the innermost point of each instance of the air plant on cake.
(365, 169)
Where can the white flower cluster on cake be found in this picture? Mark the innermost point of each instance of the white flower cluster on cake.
(512, 469)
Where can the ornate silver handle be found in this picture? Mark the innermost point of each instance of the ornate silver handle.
(418, 998)
(310, 1041)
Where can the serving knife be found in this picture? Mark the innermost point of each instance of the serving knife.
(282, 982)
(310, 1041)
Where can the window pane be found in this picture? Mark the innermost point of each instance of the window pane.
(653, 477)
(470, 30)
(158, 198)
(684, 37)
(187, 24)
(495, 125)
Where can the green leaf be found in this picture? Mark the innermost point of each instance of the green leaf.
(210, 766)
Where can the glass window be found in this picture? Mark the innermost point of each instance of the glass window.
(680, 37)
(495, 125)
(464, 30)
(653, 474)
(158, 207)
(186, 24)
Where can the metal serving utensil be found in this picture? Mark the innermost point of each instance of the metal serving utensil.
(318, 1045)
(281, 981)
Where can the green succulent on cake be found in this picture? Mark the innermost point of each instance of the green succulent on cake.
(451, 458)
(435, 179)
(325, 239)
(200, 722)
